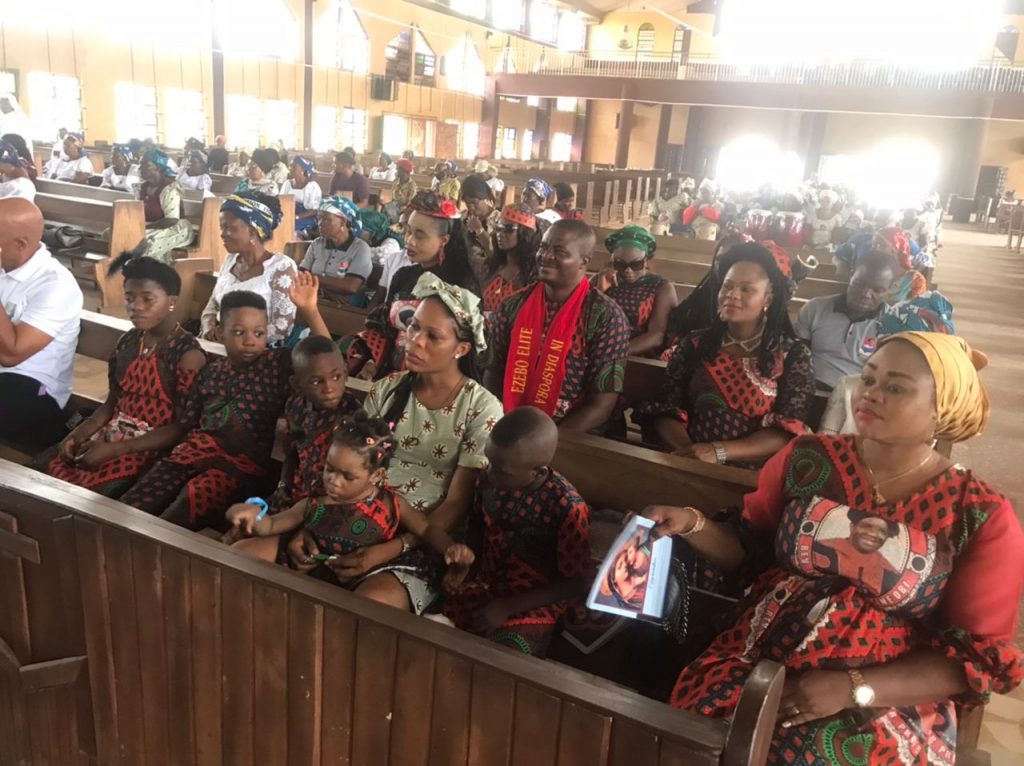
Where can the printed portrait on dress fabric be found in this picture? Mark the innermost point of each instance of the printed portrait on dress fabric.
(883, 558)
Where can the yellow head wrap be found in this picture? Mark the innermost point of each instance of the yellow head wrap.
(961, 403)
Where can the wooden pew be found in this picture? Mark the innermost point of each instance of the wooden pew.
(124, 218)
(128, 640)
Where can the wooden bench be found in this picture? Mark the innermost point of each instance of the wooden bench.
(128, 640)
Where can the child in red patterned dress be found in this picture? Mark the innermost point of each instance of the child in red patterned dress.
(231, 416)
(535, 546)
(151, 372)
(351, 508)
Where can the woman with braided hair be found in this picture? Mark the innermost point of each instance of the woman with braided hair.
(740, 389)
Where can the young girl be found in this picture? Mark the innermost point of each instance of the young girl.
(151, 371)
(352, 509)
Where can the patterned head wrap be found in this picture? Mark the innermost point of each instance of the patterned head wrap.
(539, 187)
(8, 154)
(899, 241)
(631, 236)
(512, 214)
(930, 312)
(197, 154)
(379, 227)
(404, 164)
(161, 160)
(125, 150)
(828, 196)
(461, 302)
(257, 215)
(346, 208)
(303, 163)
(77, 137)
(961, 402)
(781, 258)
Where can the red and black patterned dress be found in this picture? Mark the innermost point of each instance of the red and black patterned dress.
(151, 391)
(637, 300)
(310, 431)
(948, 576)
(729, 398)
(530, 538)
(340, 529)
(231, 416)
(597, 361)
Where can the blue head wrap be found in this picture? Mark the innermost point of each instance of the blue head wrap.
(539, 187)
(930, 312)
(8, 154)
(343, 206)
(77, 136)
(303, 163)
(257, 215)
(161, 160)
(125, 150)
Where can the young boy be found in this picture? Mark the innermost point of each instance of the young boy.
(313, 412)
(231, 417)
(535, 550)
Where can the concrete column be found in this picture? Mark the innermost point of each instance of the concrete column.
(542, 132)
(579, 132)
(664, 126)
(692, 164)
(488, 119)
(217, 64)
(625, 131)
(812, 137)
(307, 77)
(965, 164)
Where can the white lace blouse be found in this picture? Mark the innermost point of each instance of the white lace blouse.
(278, 272)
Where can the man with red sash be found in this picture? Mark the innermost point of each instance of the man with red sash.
(560, 345)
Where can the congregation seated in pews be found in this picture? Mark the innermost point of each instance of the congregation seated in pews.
(374, 502)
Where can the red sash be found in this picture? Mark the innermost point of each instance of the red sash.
(535, 367)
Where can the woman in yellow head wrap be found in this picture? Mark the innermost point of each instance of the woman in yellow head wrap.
(885, 578)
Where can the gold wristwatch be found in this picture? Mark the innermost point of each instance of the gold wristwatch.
(863, 694)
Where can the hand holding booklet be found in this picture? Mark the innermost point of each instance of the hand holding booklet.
(633, 578)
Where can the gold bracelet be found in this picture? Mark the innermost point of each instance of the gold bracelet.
(698, 524)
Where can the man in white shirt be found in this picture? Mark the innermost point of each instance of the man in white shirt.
(40, 310)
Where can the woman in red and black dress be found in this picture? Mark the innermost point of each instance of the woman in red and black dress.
(513, 263)
(738, 391)
(151, 374)
(885, 578)
(645, 297)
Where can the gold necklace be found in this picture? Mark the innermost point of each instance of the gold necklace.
(876, 494)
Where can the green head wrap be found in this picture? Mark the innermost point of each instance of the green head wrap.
(631, 236)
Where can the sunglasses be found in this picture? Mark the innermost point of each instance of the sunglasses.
(632, 265)
(506, 228)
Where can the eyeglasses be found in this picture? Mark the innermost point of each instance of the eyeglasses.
(632, 265)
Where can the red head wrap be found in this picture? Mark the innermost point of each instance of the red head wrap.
(782, 259)
(447, 210)
(899, 241)
(404, 164)
(512, 214)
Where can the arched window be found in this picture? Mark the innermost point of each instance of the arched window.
(342, 42)
(465, 68)
(426, 61)
(645, 40)
(398, 57)
(677, 44)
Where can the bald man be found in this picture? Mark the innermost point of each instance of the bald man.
(40, 309)
(535, 528)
